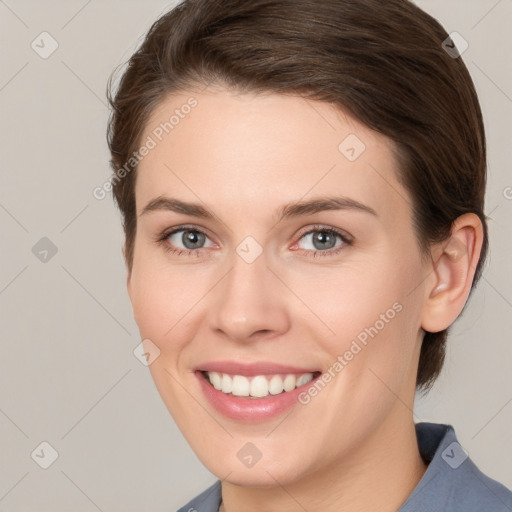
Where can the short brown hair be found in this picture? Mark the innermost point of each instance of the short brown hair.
(381, 61)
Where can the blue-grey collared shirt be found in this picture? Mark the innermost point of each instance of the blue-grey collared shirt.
(452, 482)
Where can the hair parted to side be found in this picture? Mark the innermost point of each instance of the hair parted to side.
(380, 61)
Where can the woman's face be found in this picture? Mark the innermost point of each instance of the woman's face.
(253, 278)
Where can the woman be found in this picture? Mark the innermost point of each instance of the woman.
(302, 187)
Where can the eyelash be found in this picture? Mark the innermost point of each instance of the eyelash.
(347, 241)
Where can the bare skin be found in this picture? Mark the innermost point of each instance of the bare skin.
(353, 446)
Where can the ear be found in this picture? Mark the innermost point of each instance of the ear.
(454, 264)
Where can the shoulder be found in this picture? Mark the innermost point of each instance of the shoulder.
(453, 482)
(207, 501)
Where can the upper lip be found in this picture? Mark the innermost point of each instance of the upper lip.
(251, 369)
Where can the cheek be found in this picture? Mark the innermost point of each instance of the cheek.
(163, 300)
(373, 322)
(350, 299)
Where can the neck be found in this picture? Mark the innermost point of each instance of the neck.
(380, 476)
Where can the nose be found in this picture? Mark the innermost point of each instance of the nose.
(250, 302)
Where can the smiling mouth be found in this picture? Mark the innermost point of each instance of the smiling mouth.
(258, 386)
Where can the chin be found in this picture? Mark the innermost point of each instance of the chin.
(263, 474)
(260, 479)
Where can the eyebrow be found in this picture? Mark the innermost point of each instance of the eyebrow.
(286, 212)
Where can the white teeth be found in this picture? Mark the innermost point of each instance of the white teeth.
(304, 379)
(276, 385)
(289, 382)
(216, 380)
(240, 386)
(259, 386)
(226, 384)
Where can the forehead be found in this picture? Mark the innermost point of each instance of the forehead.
(264, 150)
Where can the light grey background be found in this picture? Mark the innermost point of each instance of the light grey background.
(67, 369)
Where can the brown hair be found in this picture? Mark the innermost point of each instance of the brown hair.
(381, 61)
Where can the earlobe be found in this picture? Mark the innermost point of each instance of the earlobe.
(449, 284)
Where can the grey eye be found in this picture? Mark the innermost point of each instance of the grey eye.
(319, 240)
(188, 238)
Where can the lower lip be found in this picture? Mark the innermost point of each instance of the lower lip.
(251, 410)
